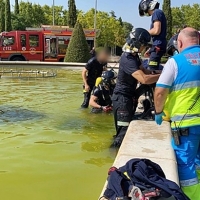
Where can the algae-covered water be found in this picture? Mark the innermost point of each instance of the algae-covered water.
(50, 149)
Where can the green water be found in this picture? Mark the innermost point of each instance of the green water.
(50, 149)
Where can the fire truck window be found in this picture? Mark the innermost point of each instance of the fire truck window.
(8, 40)
(34, 40)
(23, 40)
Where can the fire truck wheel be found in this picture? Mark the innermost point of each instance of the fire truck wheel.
(17, 58)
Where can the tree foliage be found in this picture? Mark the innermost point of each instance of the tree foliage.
(186, 15)
(2, 15)
(112, 30)
(78, 49)
(72, 15)
(8, 24)
(111, 33)
(127, 28)
(16, 11)
(168, 14)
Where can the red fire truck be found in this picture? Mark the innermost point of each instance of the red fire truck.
(48, 43)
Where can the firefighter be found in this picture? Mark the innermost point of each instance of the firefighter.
(157, 31)
(130, 72)
(101, 95)
(91, 72)
(178, 91)
(172, 48)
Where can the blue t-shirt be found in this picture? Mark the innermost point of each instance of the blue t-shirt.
(159, 40)
(126, 83)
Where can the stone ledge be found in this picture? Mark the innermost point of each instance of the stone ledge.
(146, 140)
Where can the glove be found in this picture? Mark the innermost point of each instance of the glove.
(106, 108)
(159, 118)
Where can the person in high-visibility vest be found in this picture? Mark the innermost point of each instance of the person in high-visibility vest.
(178, 90)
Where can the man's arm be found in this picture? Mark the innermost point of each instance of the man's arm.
(164, 83)
(146, 71)
(145, 78)
(93, 102)
(160, 97)
(84, 77)
(156, 28)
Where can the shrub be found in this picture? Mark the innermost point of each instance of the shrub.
(78, 49)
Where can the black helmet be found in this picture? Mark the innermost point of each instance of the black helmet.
(138, 37)
(172, 45)
(108, 76)
(146, 5)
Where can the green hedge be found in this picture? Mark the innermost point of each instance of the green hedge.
(78, 49)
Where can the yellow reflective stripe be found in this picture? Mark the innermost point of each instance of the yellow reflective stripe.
(153, 63)
(126, 174)
(187, 123)
(188, 116)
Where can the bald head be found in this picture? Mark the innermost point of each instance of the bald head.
(187, 37)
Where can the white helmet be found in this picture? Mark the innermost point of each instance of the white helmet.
(146, 5)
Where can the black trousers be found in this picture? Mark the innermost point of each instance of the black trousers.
(86, 97)
(123, 110)
(156, 54)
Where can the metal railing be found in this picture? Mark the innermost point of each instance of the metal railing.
(47, 65)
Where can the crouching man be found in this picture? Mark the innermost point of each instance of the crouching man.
(100, 100)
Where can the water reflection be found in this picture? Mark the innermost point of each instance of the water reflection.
(49, 144)
(100, 162)
(17, 114)
(54, 142)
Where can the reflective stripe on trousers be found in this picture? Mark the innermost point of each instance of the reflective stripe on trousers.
(120, 123)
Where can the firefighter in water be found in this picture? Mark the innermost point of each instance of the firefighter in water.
(91, 72)
(100, 100)
(157, 31)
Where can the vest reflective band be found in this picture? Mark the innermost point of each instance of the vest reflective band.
(185, 89)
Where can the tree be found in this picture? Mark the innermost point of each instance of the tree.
(120, 21)
(72, 14)
(186, 15)
(127, 28)
(112, 13)
(168, 14)
(16, 11)
(110, 32)
(8, 25)
(2, 15)
(78, 50)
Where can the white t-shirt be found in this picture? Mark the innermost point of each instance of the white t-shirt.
(168, 74)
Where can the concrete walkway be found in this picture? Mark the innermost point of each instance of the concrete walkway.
(144, 139)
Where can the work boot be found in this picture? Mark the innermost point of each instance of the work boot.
(86, 100)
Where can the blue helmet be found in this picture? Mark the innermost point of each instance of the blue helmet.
(172, 45)
(137, 38)
(108, 76)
